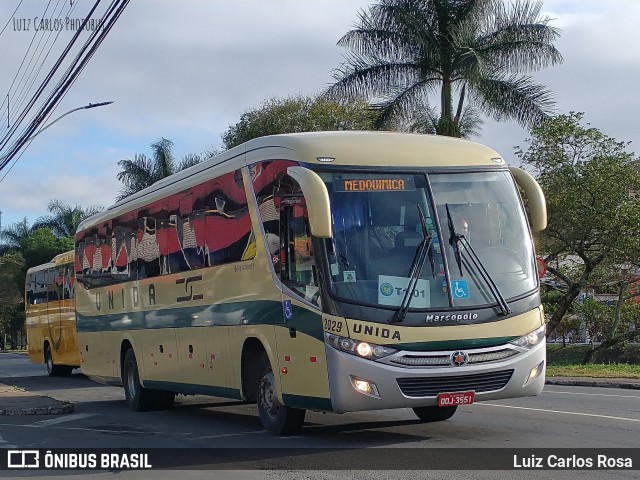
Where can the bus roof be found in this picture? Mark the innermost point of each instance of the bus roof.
(352, 148)
(60, 259)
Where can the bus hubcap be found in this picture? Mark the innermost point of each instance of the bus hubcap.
(268, 394)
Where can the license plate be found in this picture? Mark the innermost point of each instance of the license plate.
(457, 398)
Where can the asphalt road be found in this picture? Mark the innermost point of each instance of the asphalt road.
(561, 417)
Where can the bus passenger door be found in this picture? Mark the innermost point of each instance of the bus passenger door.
(301, 349)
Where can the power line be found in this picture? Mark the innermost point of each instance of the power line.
(79, 63)
(21, 89)
(46, 81)
(11, 17)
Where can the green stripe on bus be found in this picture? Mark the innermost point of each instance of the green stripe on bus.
(192, 389)
(262, 312)
(308, 403)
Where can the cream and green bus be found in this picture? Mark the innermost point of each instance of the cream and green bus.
(329, 271)
(50, 315)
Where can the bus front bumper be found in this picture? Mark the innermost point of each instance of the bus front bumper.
(401, 387)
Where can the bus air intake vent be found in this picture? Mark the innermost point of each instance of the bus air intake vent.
(432, 386)
(445, 360)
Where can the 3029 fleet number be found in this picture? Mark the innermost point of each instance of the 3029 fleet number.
(332, 325)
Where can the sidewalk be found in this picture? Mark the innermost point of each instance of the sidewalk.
(14, 401)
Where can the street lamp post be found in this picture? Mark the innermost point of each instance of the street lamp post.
(6, 158)
(85, 107)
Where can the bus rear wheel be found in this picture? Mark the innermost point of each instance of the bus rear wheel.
(434, 413)
(52, 369)
(276, 418)
(137, 397)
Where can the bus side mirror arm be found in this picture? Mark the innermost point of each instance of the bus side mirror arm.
(317, 197)
(535, 196)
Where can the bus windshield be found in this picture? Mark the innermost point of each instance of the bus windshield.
(377, 230)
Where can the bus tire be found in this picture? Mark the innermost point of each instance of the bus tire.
(137, 397)
(276, 418)
(434, 413)
(52, 369)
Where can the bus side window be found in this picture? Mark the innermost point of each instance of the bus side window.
(297, 263)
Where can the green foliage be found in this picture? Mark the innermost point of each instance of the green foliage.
(11, 293)
(64, 218)
(593, 220)
(42, 246)
(142, 172)
(600, 317)
(473, 52)
(298, 114)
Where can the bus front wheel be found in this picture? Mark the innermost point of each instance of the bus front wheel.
(52, 369)
(276, 418)
(434, 414)
(137, 397)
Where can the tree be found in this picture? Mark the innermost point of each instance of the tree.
(298, 114)
(64, 219)
(14, 234)
(474, 50)
(142, 172)
(11, 294)
(589, 182)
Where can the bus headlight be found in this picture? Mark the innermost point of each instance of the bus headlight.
(530, 340)
(355, 347)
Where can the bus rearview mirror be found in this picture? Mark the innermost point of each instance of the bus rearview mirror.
(317, 200)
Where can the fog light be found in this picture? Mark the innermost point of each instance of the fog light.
(365, 386)
(535, 373)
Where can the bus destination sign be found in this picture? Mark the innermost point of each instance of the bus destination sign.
(374, 184)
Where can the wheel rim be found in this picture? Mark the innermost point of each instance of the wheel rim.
(131, 381)
(268, 397)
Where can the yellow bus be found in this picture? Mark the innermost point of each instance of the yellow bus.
(329, 271)
(50, 315)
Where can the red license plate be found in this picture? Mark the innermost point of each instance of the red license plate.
(457, 398)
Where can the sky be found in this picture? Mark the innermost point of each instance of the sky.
(186, 70)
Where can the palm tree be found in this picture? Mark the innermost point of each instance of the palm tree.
(13, 235)
(142, 172)
(64, 218)
(475, 50)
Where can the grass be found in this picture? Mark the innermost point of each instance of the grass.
(567, 362)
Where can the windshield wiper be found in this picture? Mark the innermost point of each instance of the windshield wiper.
(423, 250)
(455, 239)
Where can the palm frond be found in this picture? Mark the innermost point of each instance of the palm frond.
(513, 97)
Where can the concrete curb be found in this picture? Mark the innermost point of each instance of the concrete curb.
(63, 408)
(627, 383)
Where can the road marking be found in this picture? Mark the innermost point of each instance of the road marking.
(592, 394)
(562, 412)
(68, 418)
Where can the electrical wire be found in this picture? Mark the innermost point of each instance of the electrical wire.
(44, 84)
(11, 17)
(79, 63)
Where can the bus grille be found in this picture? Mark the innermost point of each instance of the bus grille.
(432, 386)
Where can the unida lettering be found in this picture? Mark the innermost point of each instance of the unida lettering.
(376, 331)
(451, 318)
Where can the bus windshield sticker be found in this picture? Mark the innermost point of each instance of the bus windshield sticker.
(349, 276)
(374, 183)
(460, 288)
(391, 291)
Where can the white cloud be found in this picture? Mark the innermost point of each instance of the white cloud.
(187, 70)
